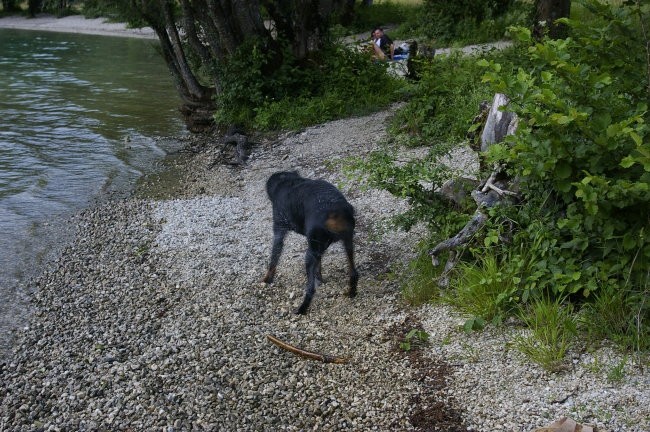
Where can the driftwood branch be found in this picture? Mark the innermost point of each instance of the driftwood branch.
(234, 148)
(463, 237)
(241, 142)
(306, 354)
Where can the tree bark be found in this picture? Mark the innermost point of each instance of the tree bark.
(201, 35)
(546, 12)
(493, 191)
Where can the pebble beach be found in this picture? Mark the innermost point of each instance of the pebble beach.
(153, 318)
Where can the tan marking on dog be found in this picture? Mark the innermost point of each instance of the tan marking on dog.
(336, 223)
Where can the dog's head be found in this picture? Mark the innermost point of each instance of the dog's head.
(281, 179)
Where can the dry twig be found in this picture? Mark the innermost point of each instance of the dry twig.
(306, 354)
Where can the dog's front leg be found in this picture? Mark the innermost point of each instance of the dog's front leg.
(312, 264)
(278, 243)
(354, 274)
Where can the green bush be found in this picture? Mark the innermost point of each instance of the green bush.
(334, 83)
(583, 136)
(581, 155)
(465, 21)
(446, 100)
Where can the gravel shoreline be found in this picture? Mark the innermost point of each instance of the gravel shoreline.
(75, 24)
(153, 318)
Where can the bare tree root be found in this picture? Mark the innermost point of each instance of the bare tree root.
(234, 149)
(306, 354)
(492, 192)
(463, 237)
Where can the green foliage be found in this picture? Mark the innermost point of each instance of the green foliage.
(114, 11)
(366, 18)
(60, 8)
(438, 115)
(8, 7)
(622, 316)
(552, 328)
(415, 337)
(582, 157)
(465, 21)
(583, 136)
(334, 83)
(617, 372)
(474, 324)
(420, 279)
(486, 291)
(447, 98)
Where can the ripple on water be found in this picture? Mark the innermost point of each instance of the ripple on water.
(65, 111)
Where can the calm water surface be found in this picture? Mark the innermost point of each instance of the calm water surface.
(79, 116)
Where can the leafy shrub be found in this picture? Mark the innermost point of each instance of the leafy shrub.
(466, 21)
(582, 158)
(583, 136)
(335, 83)
(447, 98)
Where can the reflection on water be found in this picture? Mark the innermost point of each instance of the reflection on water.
(78, 116)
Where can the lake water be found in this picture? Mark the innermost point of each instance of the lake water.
(79, 117)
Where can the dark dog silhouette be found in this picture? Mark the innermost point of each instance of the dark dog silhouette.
(317, 210)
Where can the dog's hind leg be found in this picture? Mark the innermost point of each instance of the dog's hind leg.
(312, 264)
(319, 273)
(276, 251)
(354, 275)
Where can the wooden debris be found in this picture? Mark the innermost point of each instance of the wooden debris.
(463, 236)
(495, 190)
(565, 424)
(306, 354)
(234, 149)
(240, 142)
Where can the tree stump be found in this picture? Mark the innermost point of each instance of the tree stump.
(496, 189)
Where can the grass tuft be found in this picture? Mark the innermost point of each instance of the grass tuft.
(552, 327)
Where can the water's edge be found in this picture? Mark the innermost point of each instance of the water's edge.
(160, 180)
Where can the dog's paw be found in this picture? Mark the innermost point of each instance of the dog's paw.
(351, 293)
(300, 311)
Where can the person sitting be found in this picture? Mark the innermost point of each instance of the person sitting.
(382, 45)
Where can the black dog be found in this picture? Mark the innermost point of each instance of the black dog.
(317, 210)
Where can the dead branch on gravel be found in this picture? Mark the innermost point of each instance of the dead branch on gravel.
(496, 189)
(234, 150)
(306, 354)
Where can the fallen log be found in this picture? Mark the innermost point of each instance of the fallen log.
(306, 354)
(240, 142)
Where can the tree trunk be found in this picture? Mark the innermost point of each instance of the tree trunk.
(546, 12)
(201, 35)
(9, 5)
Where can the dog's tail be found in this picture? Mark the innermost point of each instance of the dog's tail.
(338, 222)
